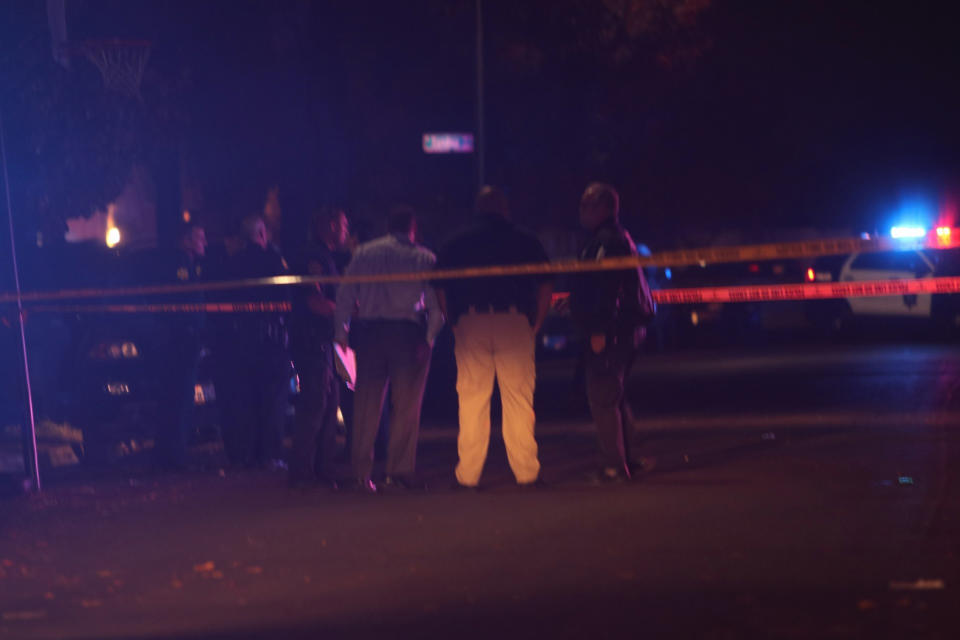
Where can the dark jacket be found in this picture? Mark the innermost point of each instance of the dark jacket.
(310, 332)
(616, 304)
(254, 327)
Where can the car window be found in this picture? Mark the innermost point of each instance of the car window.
(909, 261)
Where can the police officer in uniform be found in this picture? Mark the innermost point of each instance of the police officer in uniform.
(182, 353)
(315, 426)
(253, 357)
(610, 310)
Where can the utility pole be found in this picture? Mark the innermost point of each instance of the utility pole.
(481, 142)
(31, 453)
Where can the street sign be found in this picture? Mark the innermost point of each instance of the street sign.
(448, 143)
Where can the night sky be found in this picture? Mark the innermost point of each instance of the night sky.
(734, 115)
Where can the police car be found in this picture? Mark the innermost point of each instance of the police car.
(907, 264)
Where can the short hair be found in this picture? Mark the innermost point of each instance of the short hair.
(323, 216)
(605, 195)
(492, 199)
(401, 219)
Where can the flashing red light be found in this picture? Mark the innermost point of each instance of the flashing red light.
(944, 235)
(811, 275)
(754, 268)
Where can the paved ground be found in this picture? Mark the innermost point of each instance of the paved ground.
(797, 493)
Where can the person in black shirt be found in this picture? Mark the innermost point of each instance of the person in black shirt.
(253, 359)
(610, 310)
(495, 321)
(312, 345)
(183, 353)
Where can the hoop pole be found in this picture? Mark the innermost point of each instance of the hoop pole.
(23, 334)
(481, 125)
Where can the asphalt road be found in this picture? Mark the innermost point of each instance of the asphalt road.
(797, 493)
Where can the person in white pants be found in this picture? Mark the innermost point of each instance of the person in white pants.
(495, 322)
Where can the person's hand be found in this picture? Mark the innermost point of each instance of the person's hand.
(342, 342)
(598, 342)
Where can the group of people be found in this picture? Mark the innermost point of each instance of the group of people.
(392, 322)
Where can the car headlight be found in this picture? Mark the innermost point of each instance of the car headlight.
(118, 388)
(115, 351)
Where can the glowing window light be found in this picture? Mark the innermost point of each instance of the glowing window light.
(113, 237)
(900, 233)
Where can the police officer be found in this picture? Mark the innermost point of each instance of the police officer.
(315, 426)
(253, 358)
(610, 310)
(182, 353)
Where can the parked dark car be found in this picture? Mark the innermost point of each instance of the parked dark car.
(102, 372)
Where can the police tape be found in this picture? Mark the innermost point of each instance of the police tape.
(699, 295)
(683, 257)
(208, 307)
(809, 291)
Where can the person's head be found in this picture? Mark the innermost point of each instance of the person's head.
(193, 240)
(255, 231)
(330, 227)
(403, 221)
(600, 202)
(492, 200)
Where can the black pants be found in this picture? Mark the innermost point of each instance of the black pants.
(606, 373)
(315, 430)
(177, 402)
(252, 393)
(394, 353)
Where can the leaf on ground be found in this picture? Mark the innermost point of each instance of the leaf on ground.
(255, 570)
(104, 573)
(204, 567)
(176, 584)
(217, 575)
(49, 595)
(91, 604)
(866, 605)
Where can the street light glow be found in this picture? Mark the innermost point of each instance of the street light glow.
(113, 237)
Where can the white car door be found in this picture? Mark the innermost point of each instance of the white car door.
(889, 265)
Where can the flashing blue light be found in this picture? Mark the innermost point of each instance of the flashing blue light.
(900, 233)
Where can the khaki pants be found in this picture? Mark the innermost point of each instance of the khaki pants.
(501, 346)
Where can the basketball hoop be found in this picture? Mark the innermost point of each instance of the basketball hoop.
(121, 62)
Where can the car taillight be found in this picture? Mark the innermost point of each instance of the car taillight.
(944, 235)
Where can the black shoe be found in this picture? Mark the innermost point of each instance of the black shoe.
(644, 464)
(536, 485)
(365, 485)
(400, 483)
(608, 476)
(464, 488)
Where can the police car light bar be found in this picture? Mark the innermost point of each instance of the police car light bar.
(907, 232)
